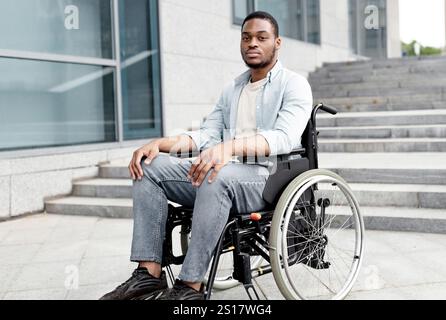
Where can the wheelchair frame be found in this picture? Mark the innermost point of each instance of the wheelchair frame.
(243, 235)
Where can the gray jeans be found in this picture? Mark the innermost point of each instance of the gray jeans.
(237, 188)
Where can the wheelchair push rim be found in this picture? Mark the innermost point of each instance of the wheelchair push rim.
(322, 262)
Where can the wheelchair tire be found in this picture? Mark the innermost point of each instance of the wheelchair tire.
(316, 237)
(223, 279)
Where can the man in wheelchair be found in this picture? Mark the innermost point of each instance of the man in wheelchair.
(263, 112)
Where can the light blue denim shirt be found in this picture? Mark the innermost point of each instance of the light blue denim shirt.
(283, 105)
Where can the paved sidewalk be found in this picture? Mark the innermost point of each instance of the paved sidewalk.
(68, 257)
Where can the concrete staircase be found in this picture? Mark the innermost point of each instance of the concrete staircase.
(388, 142)
(389, 138)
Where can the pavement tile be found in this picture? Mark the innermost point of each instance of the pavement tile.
(48, 275)
(118, 246)
(67, 221)
(433, 261)
(268, 287)
(430, 291)
(413, 242)
(376, 245)
(45, 294)
(35, 221)
(237, 292)
(383, 294)
(435, 238)
(92, 292)
(112, 228)
(7, 276)
(27, 236)
(400, 269)
(3, 234)
(66, 234)
(104, 270)
(61, 251)
(17, 254)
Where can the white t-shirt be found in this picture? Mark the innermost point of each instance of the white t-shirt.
(246, 125)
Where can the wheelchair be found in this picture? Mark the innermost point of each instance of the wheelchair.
(310, 235)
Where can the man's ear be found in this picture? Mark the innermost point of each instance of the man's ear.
(278, 43)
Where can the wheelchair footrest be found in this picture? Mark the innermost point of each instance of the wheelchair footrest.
(250, 287)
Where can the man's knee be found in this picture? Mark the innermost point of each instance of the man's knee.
(156, 165)
(160, 166)
(223, 179)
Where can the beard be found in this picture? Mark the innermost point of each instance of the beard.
(268, 60)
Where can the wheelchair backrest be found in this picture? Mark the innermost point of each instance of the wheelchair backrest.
(309, 143)
(289, 167)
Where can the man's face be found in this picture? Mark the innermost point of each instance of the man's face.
(258, 44)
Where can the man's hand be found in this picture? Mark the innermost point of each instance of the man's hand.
(150, 150)
(213, 158)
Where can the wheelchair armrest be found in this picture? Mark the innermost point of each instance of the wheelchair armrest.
(186, 154)
(294, 154)
(281, 157)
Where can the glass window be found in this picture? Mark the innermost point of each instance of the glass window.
(313, 21)
(297, 19)
(368, 42)
(48, 103)
(240, 10)
(140, 69)
(72, 98)
(353, 25)
(71, 27)
(288, 13)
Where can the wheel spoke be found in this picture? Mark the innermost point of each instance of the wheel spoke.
(316, 260)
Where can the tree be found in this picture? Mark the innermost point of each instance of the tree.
(409, 49)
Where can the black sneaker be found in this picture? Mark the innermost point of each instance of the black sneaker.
(141, 282)
(180, 291)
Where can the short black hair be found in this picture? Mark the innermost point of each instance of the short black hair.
(265, 16)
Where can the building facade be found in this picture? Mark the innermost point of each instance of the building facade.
(87, 81)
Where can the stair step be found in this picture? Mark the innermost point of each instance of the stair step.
(399, 168)
(400, 176)
(400, 195)
(436, 67)
(387, 160)
(385, 106)
(383, 145)
(383, 63)
(405, 117)
(375, 75)
(377, 132)
(378, 101)
(382, 92)
(404, 83)
(86, 206)
(104, 188)
(117, 170)
(401, 218)
(371, 79)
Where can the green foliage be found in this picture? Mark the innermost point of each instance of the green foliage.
(409, 49)
(428, 51)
